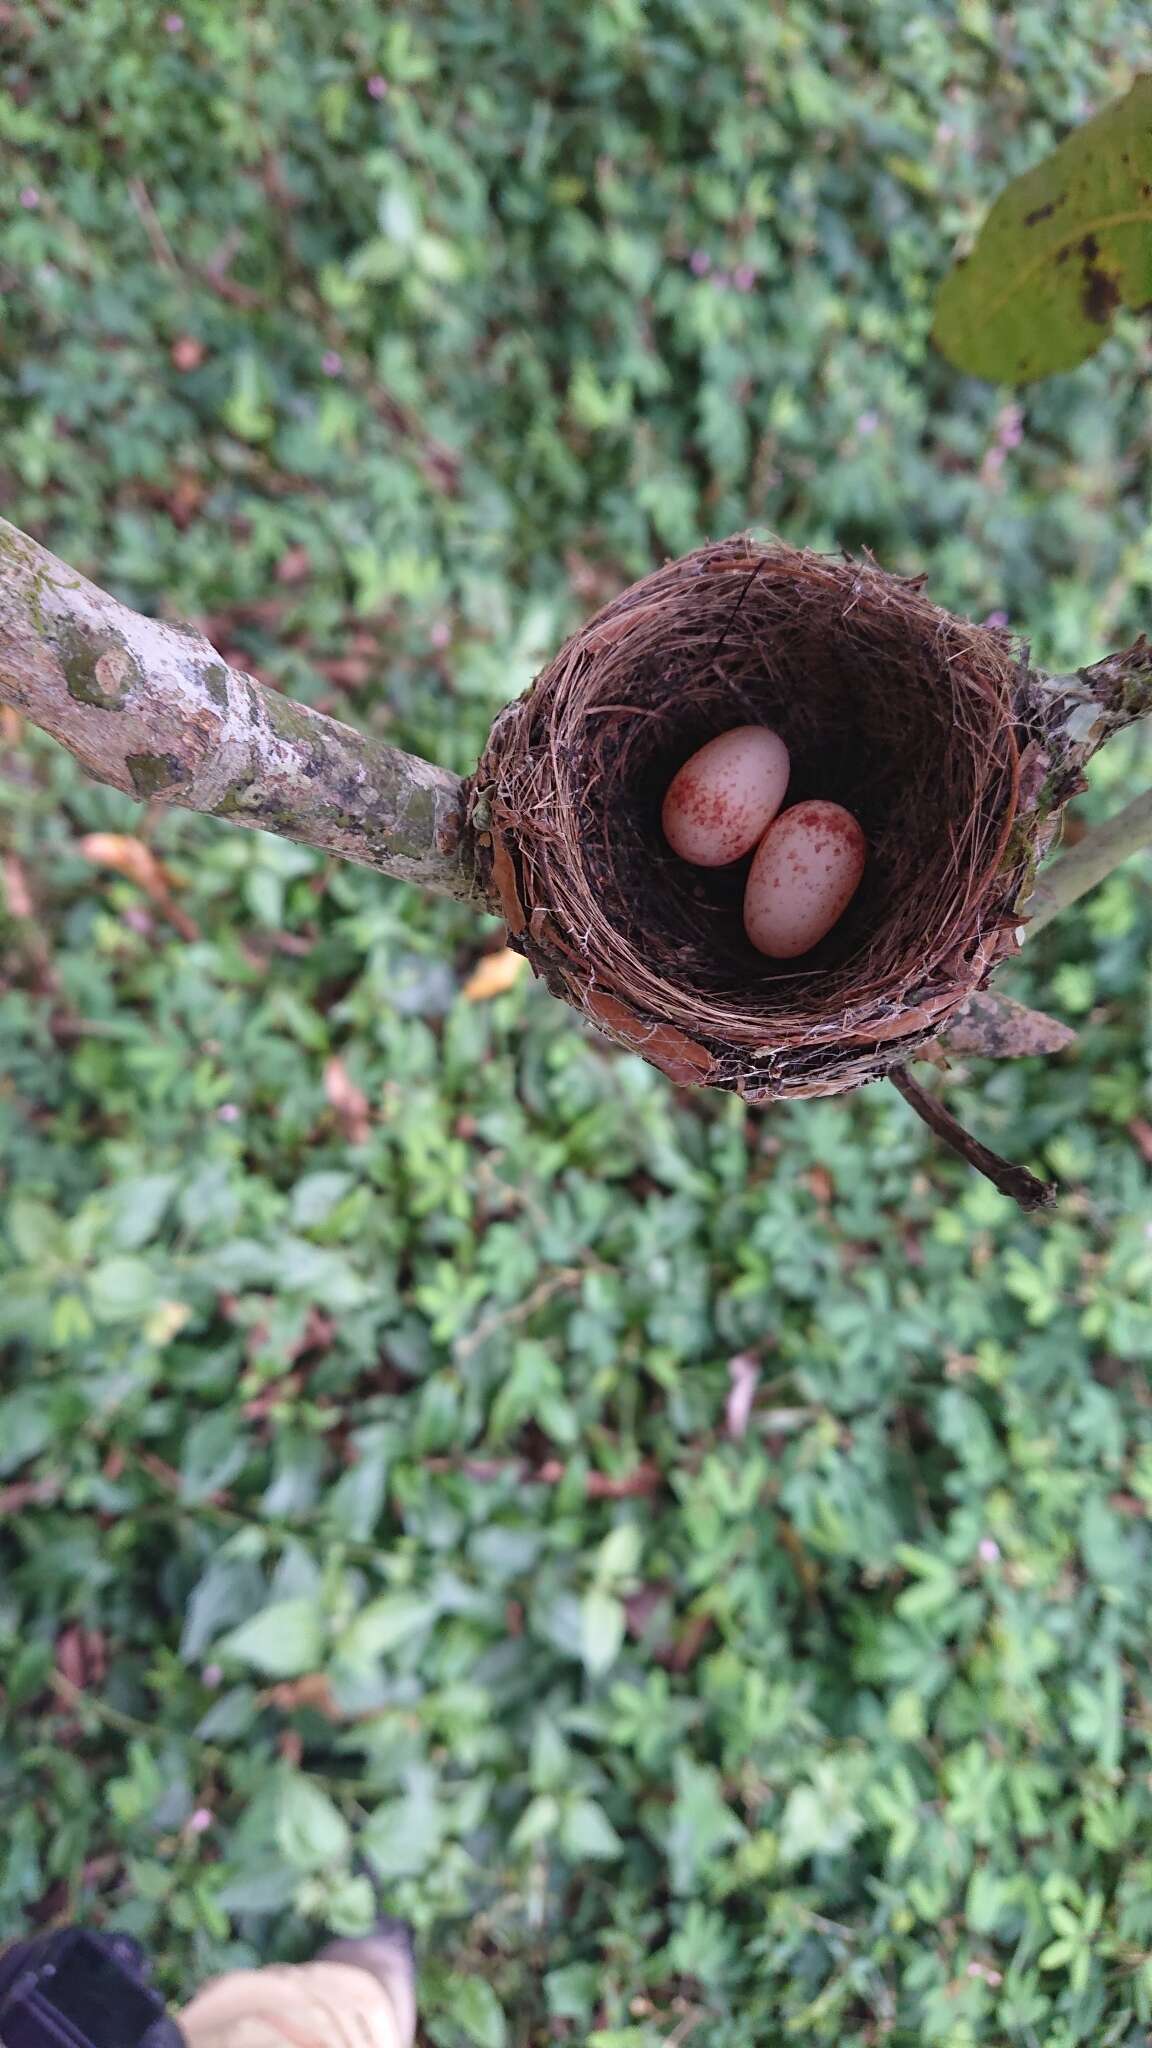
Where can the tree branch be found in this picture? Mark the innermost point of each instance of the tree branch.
(1105, 847)
(1099, 701)
(154, 711)
(1021, 1186)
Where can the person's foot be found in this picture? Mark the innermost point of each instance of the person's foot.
(357, 1994)
(387, 1954)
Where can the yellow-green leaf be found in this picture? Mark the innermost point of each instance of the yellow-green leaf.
(1061, 250)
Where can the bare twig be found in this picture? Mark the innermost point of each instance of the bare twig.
(1016, 1182)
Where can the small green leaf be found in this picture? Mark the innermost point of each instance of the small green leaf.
(282, 1642)
(34, 1229)
(601, 1629)
(1062, 248)
(383, 1624)
(26, 1427)
(311, 1831)
(587, 1831)
(120, 1289)
(403, 1837)
(474, 2006)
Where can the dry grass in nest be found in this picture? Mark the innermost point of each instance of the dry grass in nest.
(913, 719)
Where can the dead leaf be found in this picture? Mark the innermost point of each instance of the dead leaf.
(166, 1321)
(349, 1102)
(11, 726)
(27, 1493)
(507, 890)
(17, 894)
(644, 1603)
(137, 863)
(295, 565)
(690, 1641)
(677, 1055)
(81, 1656)
(1141, 1131)
(494, 975)
(744, 1373)
(128, 857)
(314, 1690)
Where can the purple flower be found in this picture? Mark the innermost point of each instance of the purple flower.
(30, 198)
(868, 423)
(331, 362)
(699, 263)
(996, 618)
(744, 277)
(377, 87)
(174, 23)
(227, 1113)
(989, 1549)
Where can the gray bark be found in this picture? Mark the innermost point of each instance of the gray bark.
(154, 710)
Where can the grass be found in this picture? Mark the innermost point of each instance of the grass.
(374, 1488)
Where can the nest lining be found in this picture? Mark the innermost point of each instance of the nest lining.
(909, 717)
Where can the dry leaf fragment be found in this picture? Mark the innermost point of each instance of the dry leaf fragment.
(349, 1102)
(1141, 1130)
(137, 863)
(744, 1373)
(494, 975)
(17, 894)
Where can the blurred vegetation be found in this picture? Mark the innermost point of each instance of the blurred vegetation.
(377, 1482)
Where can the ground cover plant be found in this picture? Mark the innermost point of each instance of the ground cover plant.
(695, 1558)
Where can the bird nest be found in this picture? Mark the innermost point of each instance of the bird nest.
(914, 720)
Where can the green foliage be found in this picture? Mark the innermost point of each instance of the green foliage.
(337, 1313)
(1064, 247)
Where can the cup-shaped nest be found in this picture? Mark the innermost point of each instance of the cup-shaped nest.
(913, 719)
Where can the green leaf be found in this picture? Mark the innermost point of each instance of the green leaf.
(587, 1831)
(311, 1831)
(215, 1451)
(121, 1289)
(35, 1230)
(473, 2005)
(403, 1836)
(27, 1422)
(601, 1630)
(382, 1625)
(1062, 248)
(284, 1641)
(314, 1197)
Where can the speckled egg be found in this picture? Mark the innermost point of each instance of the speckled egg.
(807, 868)
(725, 797)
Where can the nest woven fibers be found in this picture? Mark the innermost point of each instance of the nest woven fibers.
(913, 719)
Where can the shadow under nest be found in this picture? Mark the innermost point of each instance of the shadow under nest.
(911, 718)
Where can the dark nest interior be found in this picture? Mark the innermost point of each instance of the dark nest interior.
(889, 705)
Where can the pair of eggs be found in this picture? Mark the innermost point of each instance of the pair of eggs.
(809, 860)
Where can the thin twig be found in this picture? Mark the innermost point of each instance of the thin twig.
(519, 1312)
(1021, 1186)
(150, 221)
(1090, 861)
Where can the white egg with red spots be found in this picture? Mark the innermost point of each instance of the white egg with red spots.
(806, 871)
(725, 797)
